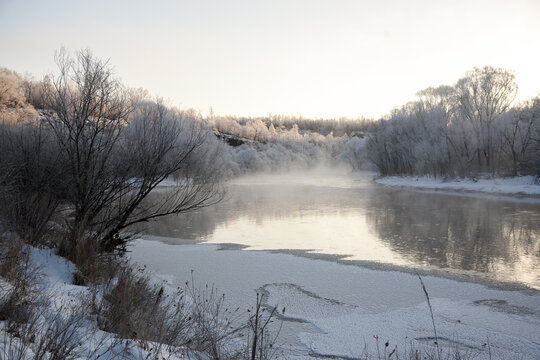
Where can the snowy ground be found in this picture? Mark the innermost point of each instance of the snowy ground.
(61, 318)
(334, 310)
(522, 185)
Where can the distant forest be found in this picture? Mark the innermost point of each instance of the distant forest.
(337, 127)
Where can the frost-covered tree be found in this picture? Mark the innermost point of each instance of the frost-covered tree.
(11, 90)
(459, 130)
(517, 130)
(482, 96)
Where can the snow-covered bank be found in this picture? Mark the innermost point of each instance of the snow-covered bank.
(61, 323)
(336, 310)
(521, 185)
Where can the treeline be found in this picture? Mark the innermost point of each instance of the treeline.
(267, 144)
(337, 127)
(466, 129)
(258, 147)
(278, 143)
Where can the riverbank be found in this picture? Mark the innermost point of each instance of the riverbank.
(328, 309)
(45, 316)
(335, 310)
(521, 185)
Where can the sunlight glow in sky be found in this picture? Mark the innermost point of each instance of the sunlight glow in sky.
(295, 57)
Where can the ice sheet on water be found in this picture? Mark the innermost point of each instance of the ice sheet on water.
(348, 305)
(346, 330)
(300, 304)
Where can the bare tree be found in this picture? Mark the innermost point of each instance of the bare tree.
(116, 154)
(159, 143)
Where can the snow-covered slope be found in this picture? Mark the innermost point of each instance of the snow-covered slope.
(62, 320)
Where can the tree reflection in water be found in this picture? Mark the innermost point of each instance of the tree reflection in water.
(459, 232)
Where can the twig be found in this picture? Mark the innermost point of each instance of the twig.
(432, 317)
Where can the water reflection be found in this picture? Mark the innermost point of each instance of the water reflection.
(465, 233)
(354, 217)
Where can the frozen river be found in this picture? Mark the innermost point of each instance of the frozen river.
(334, 222)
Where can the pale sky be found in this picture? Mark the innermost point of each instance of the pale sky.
(295, 57)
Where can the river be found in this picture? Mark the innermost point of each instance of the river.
(351, 219)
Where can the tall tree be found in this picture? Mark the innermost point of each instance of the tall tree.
(117, 152)
(482, 96)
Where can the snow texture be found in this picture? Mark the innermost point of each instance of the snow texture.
(60, 301)
(521, 185)
(336, 310)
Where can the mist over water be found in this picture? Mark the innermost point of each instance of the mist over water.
(330, 211)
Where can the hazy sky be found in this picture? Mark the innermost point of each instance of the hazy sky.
(297, 57)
